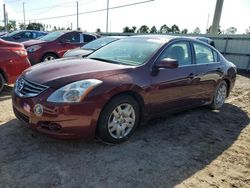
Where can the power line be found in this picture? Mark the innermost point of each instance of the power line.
(93, 11)
(58, 5)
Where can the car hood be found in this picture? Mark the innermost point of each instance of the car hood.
(56, 74)
(78, 52)
(33, 42)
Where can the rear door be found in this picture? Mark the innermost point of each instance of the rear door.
(209, 69)
(72, 40)
(175, 88)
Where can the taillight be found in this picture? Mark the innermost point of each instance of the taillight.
(21, 52)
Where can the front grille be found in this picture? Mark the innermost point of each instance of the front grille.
(25, 88)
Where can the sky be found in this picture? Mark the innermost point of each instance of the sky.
(184, 13)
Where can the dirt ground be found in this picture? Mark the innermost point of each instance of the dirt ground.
(195, 148)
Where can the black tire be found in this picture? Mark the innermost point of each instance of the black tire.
(215, 105)
(2, 82)
(49, 55)
(103, 130)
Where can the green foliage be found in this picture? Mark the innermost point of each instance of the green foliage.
(153, 30)
(143, 29)
(197, 30)
(11, 25)
(35, 26)
(129, 30)
(165, 29)
(175, 29)
(231, 31)
(184, 31)
(248, 31)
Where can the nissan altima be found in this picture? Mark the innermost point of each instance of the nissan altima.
(120, 85)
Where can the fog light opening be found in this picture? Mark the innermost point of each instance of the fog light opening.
(38, 110)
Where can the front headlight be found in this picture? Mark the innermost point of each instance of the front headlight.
(74, 92)
(33, 48)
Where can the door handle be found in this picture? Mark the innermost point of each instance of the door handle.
(191, 76)
(219, 70)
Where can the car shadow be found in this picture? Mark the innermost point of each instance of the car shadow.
(163, 153)
(6, 93)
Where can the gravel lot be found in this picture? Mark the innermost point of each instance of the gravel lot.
(196, 148)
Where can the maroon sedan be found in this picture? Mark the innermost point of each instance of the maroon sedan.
(55, 44)
(13, 61)
(128, 81)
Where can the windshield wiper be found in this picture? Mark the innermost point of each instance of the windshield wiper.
(105, 60)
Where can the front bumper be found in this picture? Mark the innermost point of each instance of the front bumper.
(34, 57)
(63, 121)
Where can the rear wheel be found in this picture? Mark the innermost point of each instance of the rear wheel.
(48, 57)
(118, 119)
(220, 95)
(2, 82)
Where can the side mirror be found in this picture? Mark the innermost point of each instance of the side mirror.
(168, 63)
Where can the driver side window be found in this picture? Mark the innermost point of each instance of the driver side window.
(179, 51)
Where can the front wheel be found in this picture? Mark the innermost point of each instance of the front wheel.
(220, 95)
(118, 119)
(48, 57)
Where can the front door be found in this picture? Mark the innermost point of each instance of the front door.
(175, 88)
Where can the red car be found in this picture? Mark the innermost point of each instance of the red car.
(121, 84)
(13, 61)
(55, 44)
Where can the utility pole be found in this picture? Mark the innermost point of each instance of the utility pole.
(24, 15)
(5, 19)
(217, 15)
(107, 21)
(77, 16)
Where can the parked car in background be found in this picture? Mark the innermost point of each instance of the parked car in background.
(206, 39)
(114, 88)
(13, 61)
(55, 44)
(3, 33)
(91, 46)
(23, 35)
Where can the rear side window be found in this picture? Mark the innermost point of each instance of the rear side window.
(73, 37)
(179, 51)
(88, 38)
(203, 54)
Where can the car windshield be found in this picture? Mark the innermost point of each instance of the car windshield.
(98, 43)
(52, 36)
(12, 34)
(133, 51)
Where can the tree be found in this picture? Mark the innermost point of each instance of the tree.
(197, 30)
(134, 29)
(248, 31)
(98, 30)
(175, 29)
(68, 28)
(165, 29)
(231, 30)
(153, 30)
(184, 31)
(143, 29)
(54, 28)
(21, 26)
(11, 25)
(128, 30)
(35, 26)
